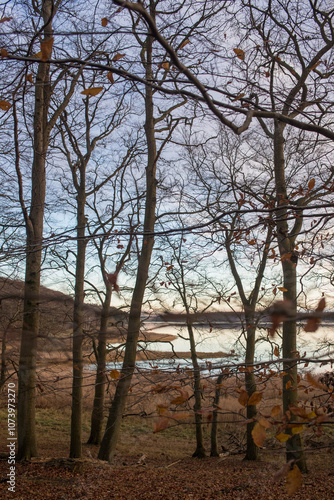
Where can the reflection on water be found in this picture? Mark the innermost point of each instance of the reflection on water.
(318, 345)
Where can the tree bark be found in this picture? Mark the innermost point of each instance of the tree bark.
(111, 435)
(100, 380)
(214, 426)
(27, 446)
(200, 449)
(78, 319)
(286, 242)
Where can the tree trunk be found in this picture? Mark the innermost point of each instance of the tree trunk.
(100, 381)
(200, 450)
(252, 449)
(27, 446)
(78, 319)
(286, 242)
(214, 426)
(111, 435)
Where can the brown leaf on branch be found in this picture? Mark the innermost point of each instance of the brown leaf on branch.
(239, 53)
(259, 434)
(255, 398)
(92, 91)
(293, 480)
(117, 57)
(104, 22)
(314, 322)
(4, 19)
(110, 77)
(161, 424)
(3, 53)
(5, 105)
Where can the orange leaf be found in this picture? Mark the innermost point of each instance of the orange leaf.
(161, 424)
(28, 78)
(311, 184)
(265, 423)
(38, 55)
(3, 53)
(243, 398)
(293, 480)
(313, 323)
(183, 44)
(237, 99)
(110, 77)
(239, 53)
(276, 351)
(46, 49)
(282, 289)
(104, 22)
(275, 411)
(92, 91)
(251, 242)
(255, 398)
(117, 57)
(5, 105)
(259, 434)
(114, 374)
(165, 66)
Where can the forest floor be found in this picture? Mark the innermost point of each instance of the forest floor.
(159, 465)
(154, 466)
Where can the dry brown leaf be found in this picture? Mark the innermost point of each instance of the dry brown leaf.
(117, 57)
(240, 96)
(265, 423)
(293, 480)
(313, 381)
(179, 400)
(255, 398)
(104, 22)
(46, 49)
(3, 53)
(110, 77)
(28, 78)
(312, 324)
(5, 105)
(243, 398)
(239, 53)
(259, 434)
(275, 411)
(4, 19)
(311, 184)
(92, 91)
(161, 424)
(114, 374)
